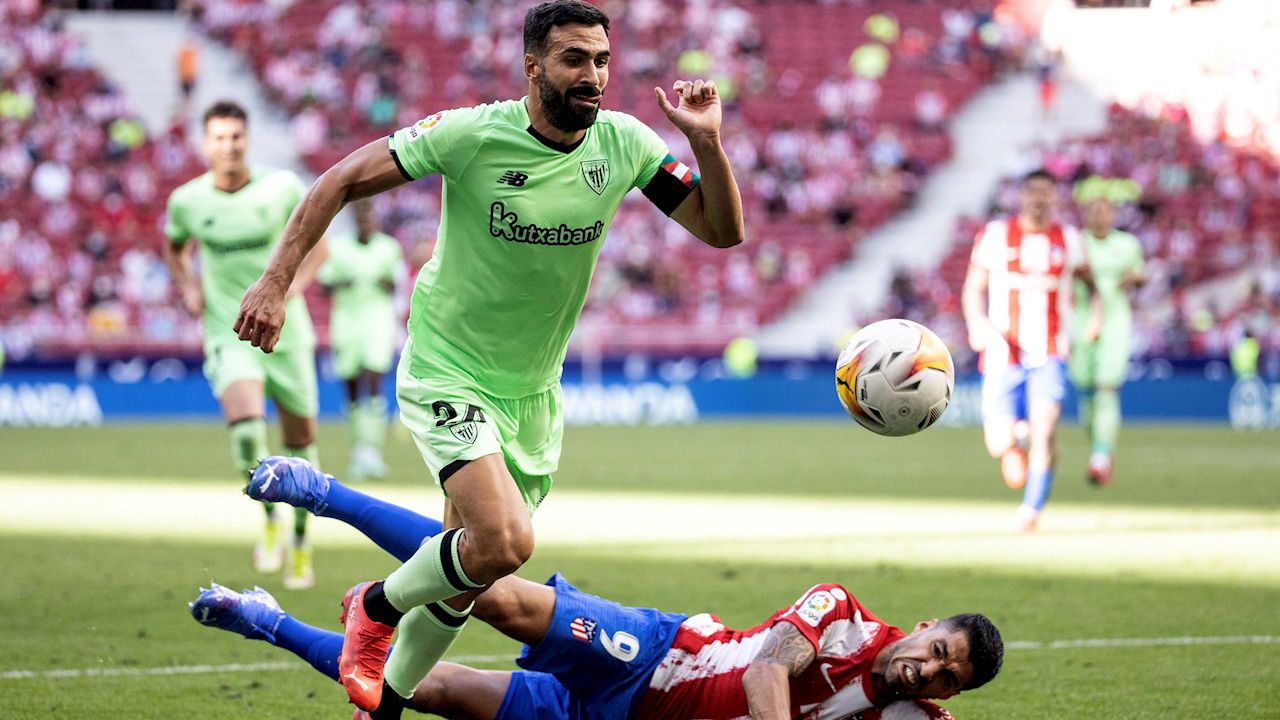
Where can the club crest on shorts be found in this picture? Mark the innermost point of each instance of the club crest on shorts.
(596, 173)
(467, 431)
(583, 629)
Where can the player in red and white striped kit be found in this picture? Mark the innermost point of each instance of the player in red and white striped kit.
(1017, 301)
(824, 657)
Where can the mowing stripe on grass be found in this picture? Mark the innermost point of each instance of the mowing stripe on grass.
(471, 659)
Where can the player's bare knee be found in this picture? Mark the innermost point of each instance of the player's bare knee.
(499, 551)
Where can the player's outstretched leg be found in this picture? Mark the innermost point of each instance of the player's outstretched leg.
(255, 614)
(397, 530)
(1106, 426)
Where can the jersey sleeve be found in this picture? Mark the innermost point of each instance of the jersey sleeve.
(175, 222)
(394, 262)
(442, 143)
(1077, 259)
(294, 189)
(1137, 263)
(985, 248)
(660, 176)
(817, 609)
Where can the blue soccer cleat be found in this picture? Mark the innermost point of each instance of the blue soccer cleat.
(252, 613)
(289, 480)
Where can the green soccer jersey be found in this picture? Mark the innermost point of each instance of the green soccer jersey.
(237, 232)
(1110, 259)
(360, 275)
(522, 222)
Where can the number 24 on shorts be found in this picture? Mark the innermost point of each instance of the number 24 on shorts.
(447, 414)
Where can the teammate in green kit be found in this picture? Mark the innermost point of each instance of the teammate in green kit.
(1100, 344)
(530, 187)
(361, 275)
(236, 213)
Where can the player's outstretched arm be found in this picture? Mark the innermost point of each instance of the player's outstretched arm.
(365, 172)
(785, 655)
(713, 211)
(973, 303)
(178, 259)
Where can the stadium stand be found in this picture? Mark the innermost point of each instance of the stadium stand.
(1208, 218)
(82, 192)
(823, 156)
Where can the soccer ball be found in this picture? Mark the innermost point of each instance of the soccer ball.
(895, 377)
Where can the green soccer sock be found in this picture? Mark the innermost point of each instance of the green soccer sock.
(371, 423)
(354, 422)
(311, 454)
(1106, 421)
(248, 446)
(434, 573)
(1086, 411)
(425, 634)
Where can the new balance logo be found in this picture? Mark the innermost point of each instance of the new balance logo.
(513, 178)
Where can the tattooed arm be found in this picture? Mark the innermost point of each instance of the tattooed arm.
(785, 655)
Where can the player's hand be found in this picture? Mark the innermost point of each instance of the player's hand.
(193, 300)
(261, 315)
(1092, 331)
(980, 334)
(698, 114)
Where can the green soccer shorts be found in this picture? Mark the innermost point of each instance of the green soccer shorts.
(1101, 363)
(288, 377)
(373, 354)
(453, 423)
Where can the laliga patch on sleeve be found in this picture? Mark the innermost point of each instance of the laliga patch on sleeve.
(816, 606)
(423, 126)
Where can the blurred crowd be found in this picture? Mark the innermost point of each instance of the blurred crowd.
(82, 193)
(820, 157)
(1208, 218)
(828, 137)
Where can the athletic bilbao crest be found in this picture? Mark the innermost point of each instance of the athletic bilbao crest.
(583, 629)
(596, 173)
(465, 431)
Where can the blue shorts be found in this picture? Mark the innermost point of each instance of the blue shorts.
(1009, 391)
(602, 653)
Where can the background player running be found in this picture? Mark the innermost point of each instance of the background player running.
(361, 275)
(1017, 304)
(530, 188)
(236, 214)
(824, 656)
(1100, 344)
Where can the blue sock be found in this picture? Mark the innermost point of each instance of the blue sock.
(395, 529)
(1039, 482)
(320, 648)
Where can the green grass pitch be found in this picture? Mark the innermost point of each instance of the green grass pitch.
(1174, 571)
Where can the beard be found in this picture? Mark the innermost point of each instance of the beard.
(561, 111)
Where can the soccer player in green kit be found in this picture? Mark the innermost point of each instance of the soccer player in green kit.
(236, 213)
(361, 275)
(530, 187)
(1100, 346)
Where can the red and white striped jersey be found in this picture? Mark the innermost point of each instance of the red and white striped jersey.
(701, 676)
(1029, 290)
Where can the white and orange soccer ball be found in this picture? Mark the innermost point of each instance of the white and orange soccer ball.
(895, 377)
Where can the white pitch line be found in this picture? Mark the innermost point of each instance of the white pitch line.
(196, 669)
(469, 659)
(1143, 642)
